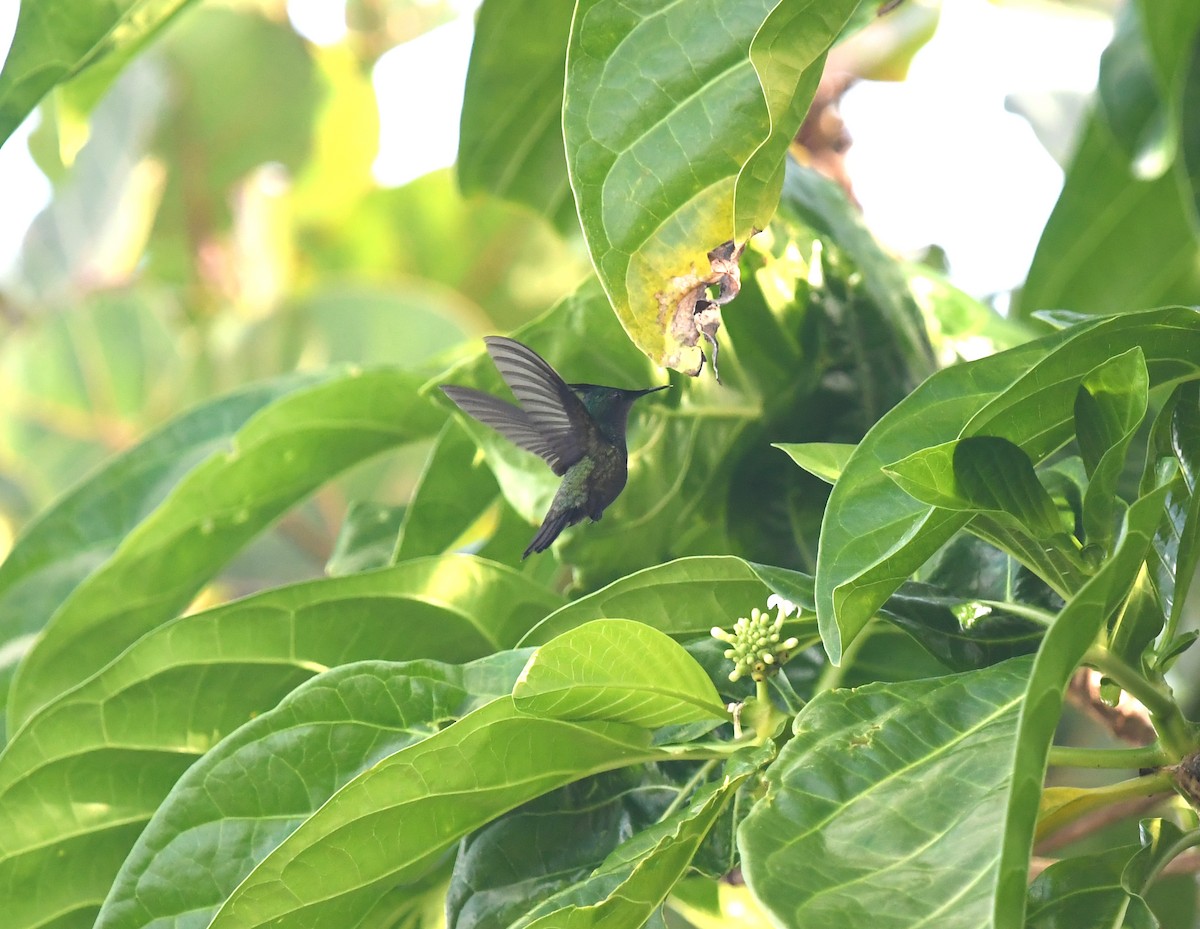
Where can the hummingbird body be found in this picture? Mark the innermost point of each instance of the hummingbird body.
(579, 429)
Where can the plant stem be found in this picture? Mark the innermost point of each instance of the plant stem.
(686, 790)
(1044, 617)
(1173, 730)
(1149, 756)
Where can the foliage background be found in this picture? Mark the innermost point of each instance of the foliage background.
(202, 238)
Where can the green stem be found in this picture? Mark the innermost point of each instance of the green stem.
(686, 790)
(831, 674)
(1065, 756)
(1043, 617)
(1173, 730)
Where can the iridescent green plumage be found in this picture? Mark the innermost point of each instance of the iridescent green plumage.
(579, 429)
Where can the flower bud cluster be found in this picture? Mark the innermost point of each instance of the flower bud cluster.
(755, 646)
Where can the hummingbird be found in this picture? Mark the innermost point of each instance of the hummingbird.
(579, 429)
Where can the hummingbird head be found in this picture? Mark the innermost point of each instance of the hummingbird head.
(609, 406)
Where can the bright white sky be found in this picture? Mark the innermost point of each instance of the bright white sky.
(936, 159)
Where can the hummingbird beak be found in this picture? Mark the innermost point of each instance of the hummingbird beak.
(652, 390)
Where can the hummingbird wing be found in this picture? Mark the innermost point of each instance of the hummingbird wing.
(554, 410)
(510, 421)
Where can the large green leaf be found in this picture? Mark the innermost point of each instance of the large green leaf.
(57, 39)
(115, 745)
(1086, 891)
(887, 806)
(404, 812)
(676, 120)
(685, 597)
(875, 535)
(280, 456)
(510, 135)
(211, 831)
(621, 671)
(1072, 633)
(80, 532)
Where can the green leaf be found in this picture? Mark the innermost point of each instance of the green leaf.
(637, 877)
(510, 134)
(57, 39)
(211, 830)
(960, 633)
(621, 671)
(83, 529)
(822, 459)
(497, 756)
(1141, 618)
(883, 789)
(117, 743)
(658, 180)
(1110, 404)
(1066, 642)
(280, 456)
(1086, 890)
(1109, 407)
(980, 473)
(454, 491)
(92, 232)
(366, 540)
(686, 597)
(882, 535)
(502, 870)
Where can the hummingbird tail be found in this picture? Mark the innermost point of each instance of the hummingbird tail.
(554, 524)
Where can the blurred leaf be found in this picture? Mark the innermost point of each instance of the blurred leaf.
(454, 490)
(500, 757)
(1115, 241)
(1132, 101)
(657, 180)
(82, 383)
(824, 459)
(217, 130)
(345, 142)
(57, 39)
(858, 811)
(1024, 394)
(84, 528)
(367, 538)
(510, 137)
(621, 671)
(1067, 640)
(116, 744)
(276, 459)
(210, 832)
(92, 233)
(500, 263)
(348, 324)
